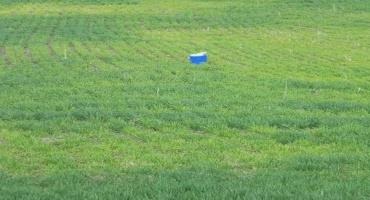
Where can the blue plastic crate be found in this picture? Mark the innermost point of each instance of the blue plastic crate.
(199, 58)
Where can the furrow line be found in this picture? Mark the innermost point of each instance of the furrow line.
(26, 49)
(96, 54)
(49, 41)
(133, 44)
(4, 56)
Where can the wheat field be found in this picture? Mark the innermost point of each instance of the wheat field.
(99, 101)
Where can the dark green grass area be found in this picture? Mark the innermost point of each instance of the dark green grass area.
(185, 184)
(98, 100)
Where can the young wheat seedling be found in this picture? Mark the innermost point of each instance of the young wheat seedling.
(285, 90)
(65, 54)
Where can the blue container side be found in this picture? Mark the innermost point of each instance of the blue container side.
(198, 59)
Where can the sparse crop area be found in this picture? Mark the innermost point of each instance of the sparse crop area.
(98, 100)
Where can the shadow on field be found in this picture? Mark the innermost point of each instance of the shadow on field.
(181, 184)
